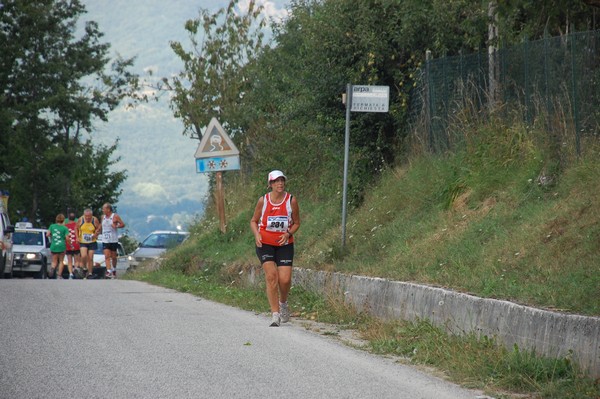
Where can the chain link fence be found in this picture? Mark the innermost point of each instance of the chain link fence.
(551, 84)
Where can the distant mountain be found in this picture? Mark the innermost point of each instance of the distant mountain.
(162, 190)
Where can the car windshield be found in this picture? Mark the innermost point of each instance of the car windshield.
(28, 238)
(163, 240)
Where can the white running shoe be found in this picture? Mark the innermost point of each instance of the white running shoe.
(275, 320)
(285, 312)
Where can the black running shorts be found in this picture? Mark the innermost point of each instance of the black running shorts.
(282, 256)
(111, 246)
(91, 246)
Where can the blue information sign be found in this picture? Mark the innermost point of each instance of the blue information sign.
(217, 164)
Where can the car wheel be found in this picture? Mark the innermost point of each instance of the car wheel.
(43, 273)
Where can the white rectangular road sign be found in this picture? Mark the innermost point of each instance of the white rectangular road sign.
(370, 98)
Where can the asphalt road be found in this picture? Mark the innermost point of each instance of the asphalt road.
(127, 339)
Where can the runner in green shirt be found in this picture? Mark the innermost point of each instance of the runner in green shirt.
(58, 233)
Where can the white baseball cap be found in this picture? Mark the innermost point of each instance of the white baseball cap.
(274, 175)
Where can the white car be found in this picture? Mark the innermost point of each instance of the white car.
(122, 260)
(156, 244)
(31, 251)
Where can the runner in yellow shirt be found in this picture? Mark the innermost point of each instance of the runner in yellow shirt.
(88, 230)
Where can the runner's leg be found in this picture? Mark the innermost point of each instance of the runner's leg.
(70, 260)
(84, 252)
(108, 259)
(61, 259)
(285, 282)
(59, 262)
(90, 261)
(271, 276)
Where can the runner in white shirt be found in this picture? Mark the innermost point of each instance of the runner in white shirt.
(111, 222)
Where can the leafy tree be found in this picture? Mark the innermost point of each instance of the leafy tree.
(54, 85)
(297, 84)
(286, 98)
(213, 82)
(532, 19)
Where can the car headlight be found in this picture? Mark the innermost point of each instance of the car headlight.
(31, 256)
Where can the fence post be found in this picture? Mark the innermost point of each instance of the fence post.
(574, 100)
(546, 88)
(445, 100)
(503, 54)
(492, 55)
(428, 101)
(526, 81)
(461, 67)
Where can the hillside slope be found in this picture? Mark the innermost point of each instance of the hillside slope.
(496, 219)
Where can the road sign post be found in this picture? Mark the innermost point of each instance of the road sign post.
(359, 99)
(346, 156)
(217, 153)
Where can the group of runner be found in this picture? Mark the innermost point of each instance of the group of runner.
(77, 238)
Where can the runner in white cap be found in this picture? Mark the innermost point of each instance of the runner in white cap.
(275, 221)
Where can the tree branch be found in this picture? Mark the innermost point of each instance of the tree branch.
(593, 3)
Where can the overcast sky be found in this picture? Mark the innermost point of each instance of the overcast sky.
(163, 189)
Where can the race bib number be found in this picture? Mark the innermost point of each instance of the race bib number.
(107, 237)
(277, 224)
(88, 237)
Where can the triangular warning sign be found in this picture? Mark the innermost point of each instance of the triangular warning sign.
(215, 142)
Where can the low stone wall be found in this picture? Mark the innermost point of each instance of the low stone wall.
(547, 333)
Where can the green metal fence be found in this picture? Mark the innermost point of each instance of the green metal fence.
(552, 83)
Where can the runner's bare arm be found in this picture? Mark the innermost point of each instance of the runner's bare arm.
(118, 222)
(295, 216)
(254, 222)
(98, 226)
(77, 232)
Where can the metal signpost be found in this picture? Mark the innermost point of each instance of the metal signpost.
(359, 99)
(217, 153)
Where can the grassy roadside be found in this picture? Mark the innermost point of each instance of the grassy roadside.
(469, 361)
(498, 219)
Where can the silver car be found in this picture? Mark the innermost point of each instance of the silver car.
(31, 251)
(156, 244)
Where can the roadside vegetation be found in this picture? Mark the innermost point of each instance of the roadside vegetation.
(508, 212)
(474, 221)
(57, 83)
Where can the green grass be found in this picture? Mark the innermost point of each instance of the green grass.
(480, 362)
(471, 221)
(479, 223)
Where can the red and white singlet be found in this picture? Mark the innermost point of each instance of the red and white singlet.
(275, 220)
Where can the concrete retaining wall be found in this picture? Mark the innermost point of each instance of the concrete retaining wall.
(548, 333)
